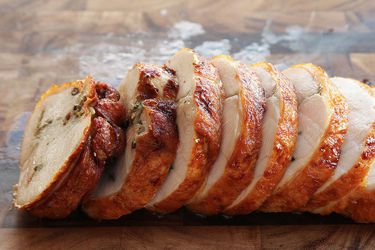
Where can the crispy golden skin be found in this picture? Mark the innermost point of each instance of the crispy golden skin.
(283, 146)
(208, 98)
(359, 204)
(349, 181)
(239, 169)
(103, 140)
(155, 149)
(297, 191)
(154, 154)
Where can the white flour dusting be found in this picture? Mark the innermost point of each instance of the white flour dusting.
(253, 53)
(110, 58)
(256, 52)
(292, 36)
(214, 48)
(105, 61)
(163, 12)
(185, 30)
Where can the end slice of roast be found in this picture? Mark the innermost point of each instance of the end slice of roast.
(244, 107)
(199, 110)
(322, 114)
(148, 91)
(73, 130)
(354, 162)
(280, 127)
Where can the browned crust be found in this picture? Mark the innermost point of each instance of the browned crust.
(147, 90)
(347, 182)
(362, 208)
(155, 152)
(171, 88)
(283, 147)
(359, 205)
(239, 169)
(297, 191)
(208, 98)
(105, 139)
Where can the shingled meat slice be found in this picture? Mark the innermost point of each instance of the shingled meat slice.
(148, 91)
(74, 129)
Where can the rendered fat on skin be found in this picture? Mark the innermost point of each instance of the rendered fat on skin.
(71, 133)
(354, 162)
(279, 129)
(148, 91)
(359, 204)
(322, 114)
(242, 118)
(199, 110)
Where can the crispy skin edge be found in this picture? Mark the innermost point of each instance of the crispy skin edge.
(86, 167)
(208, 97)
(359, 204)
(346, 183)
(320, 203)
(239, 169)
(283, 147)
(155, 153)
(297, 191)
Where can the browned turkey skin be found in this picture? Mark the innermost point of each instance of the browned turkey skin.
(106, 140)
(152, 138)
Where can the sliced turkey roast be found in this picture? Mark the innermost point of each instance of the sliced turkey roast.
(73, 130)
(148, 92)
(242, 117)
(354, 160)
(280, 125)
(322, 114)
(199, 110)
(359, 203)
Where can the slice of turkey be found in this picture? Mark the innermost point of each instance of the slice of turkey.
(280, 126)
(242, 137)
(359, 204)
(322, 114)
(199, 111)
(151, 144)
(354, 162)
(67, 141)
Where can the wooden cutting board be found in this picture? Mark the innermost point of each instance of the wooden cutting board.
(44, 42)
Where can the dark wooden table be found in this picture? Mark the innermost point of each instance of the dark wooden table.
(44, 42)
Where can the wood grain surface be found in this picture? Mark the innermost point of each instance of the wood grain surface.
(44, 42)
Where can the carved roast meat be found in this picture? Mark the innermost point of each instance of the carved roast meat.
(216, 136)
(244, 107)
(322, 114)
(199, 110)
(279, 132)
(74, 129)
(148, 91)
(355, 183)
(358, 151)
